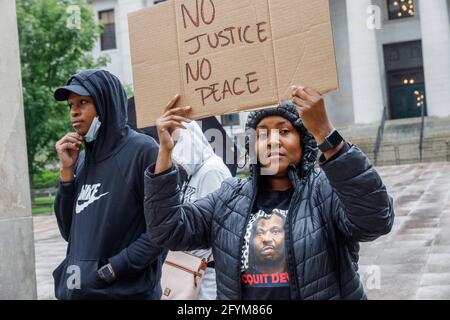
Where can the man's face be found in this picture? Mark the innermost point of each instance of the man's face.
(82, 112)
(277, 145)
(268, 241)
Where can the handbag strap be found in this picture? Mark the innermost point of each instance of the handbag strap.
(197, 273)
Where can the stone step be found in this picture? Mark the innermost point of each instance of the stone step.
(403, 128)
(400, 143)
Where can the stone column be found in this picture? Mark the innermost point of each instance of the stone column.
(365, 70)
(17, 268)
(435, 27)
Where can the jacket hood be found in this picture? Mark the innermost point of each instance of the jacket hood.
(192, 149)
(110, 102)
(288, 111)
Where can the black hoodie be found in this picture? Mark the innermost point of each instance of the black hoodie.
(101, 214)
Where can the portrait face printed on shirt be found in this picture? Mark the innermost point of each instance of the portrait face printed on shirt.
(267, 245)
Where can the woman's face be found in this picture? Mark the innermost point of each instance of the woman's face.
(277, 145)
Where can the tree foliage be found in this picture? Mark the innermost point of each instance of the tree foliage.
(56, 40)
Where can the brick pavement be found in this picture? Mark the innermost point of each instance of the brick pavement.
(412, 262)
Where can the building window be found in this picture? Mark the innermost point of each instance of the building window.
(399, 9)
(108, 37)
(230, 120)
(405, 80)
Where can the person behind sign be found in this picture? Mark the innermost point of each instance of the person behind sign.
(328, 210)
(205, 173)
(100, 199)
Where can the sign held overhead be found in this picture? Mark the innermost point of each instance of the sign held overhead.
(226, 56)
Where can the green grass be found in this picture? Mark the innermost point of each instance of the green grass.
(42, 210)
(43, 205)
(43, 200)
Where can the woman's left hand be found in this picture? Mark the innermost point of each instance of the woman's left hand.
(311, 107)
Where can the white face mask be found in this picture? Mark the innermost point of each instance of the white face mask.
(91, 135)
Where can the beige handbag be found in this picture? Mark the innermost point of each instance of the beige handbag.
(181, 276)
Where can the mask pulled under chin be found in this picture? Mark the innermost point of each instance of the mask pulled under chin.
(92, 133)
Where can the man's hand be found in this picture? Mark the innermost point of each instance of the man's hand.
(311, 107)
(166, 125)
(68, 149)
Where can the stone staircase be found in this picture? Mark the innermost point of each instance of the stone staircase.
(400, 143)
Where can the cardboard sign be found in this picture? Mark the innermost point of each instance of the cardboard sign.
(225, 56)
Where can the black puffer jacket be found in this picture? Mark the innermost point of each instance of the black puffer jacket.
(331, 211)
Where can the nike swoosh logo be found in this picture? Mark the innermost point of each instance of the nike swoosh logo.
(81, 207)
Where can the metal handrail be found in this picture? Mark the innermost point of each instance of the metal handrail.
(422, 129)
(380, 133)
(405, 152)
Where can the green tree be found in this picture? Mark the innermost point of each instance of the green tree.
(56, 40)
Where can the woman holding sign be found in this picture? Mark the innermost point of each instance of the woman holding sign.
(288, 231)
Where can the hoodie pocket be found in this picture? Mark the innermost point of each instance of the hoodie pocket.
(77, 279)
(139, 285)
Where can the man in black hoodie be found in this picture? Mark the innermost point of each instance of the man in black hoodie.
(99, 203)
